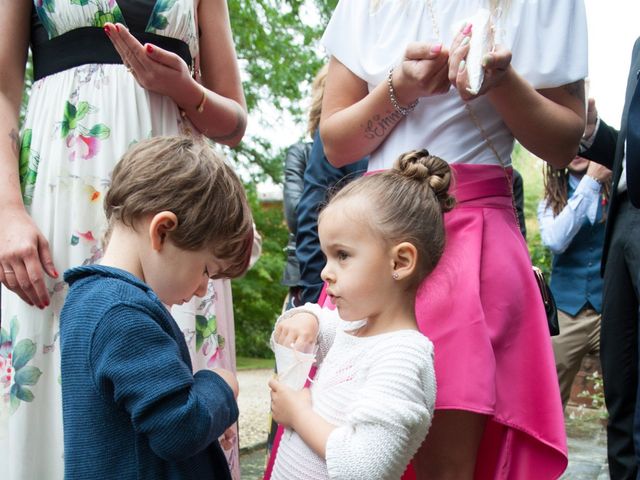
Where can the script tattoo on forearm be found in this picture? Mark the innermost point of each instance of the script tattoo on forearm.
(15, 140)
(379, 126)
(576, 89)
(241, 122)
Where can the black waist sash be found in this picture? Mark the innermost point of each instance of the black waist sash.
(86, 45)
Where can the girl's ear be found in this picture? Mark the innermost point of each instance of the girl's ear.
(161, 223)
(405, 259)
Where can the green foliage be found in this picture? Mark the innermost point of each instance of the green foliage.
(258, 296)
(278, 53)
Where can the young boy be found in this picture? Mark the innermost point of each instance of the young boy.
(132, 407)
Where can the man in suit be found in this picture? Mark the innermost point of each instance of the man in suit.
(620, 151)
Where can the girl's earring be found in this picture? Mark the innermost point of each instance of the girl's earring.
(395, 276)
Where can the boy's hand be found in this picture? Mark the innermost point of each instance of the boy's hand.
(228, 438)
(287, 405)
(299, 332)
(230, 378)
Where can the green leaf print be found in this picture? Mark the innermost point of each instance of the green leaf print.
(157, 20)
(100, 131)
(28, 375)
(22, 393)
(117, 15)
(43, 14)
(23, 352)
(69, 121)
(82, 3)
(49, 5)
(25, 150)
(204, 329)
(81, 110)
(28, 167)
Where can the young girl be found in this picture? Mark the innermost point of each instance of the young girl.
(371, 404)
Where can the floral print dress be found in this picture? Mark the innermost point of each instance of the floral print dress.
(79, 122)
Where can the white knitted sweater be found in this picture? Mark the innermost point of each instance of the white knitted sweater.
(379, 391)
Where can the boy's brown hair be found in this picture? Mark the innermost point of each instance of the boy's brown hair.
(189, 178)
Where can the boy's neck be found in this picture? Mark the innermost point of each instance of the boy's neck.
(122, 251)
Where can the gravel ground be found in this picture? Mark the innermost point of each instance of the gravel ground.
(253, 402)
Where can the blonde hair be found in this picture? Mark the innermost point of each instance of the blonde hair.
(317, 93)
(193, 181)
(407, 204)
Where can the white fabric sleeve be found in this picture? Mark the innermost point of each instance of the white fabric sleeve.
(557, 232)
(548, 41)
(391, 416)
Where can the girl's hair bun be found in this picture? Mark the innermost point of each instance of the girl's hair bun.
(419, 165)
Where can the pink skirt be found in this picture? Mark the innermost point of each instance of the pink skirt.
(482, 310)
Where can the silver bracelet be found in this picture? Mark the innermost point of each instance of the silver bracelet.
(404, 111)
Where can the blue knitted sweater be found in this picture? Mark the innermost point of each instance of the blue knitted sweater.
(132, 408)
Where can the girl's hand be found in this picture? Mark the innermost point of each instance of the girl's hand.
(287, 405)
(298, 331)
(422, 73)
(496, 65)
(25, 258)
(154, 68)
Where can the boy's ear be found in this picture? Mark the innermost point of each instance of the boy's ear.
(405, 259)
(161, 223)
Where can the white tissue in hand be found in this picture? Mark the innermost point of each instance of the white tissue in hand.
(293, 366)
(482, 42)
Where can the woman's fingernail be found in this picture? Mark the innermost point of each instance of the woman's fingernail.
(117, 28)
(464, 25)
(465, 41)
(149, 48)
(437, 48)
(467, 29)
(107, 30)
(55, 273)
(461, 66)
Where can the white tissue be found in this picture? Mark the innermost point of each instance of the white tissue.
(293, 366)
(482, 42)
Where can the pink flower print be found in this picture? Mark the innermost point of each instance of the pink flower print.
(85, 147)
(88, 235)
(6, 372)
(212, 359)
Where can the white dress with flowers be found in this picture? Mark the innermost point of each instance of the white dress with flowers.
(79, 122)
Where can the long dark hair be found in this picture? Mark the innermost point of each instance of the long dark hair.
(556, 184)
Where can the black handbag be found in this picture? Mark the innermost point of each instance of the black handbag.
(548, 301)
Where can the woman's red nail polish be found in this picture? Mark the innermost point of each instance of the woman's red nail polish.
(117, 28)
(55, 273)
(107, 30)
(467, 29)
(149, 48)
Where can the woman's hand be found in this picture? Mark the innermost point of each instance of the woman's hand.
(298, 331)
(25, 258)
(601, 173)
(287, 405)
(154, 68)
(422, 73)
(496, 65)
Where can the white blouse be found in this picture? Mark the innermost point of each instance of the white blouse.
(548, 40)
